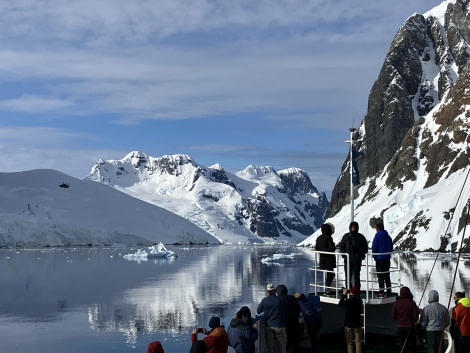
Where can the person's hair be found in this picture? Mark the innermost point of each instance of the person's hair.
(380, 226)
(281, 289)
(244, 311)
(460, 294)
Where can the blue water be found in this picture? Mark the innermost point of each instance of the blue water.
(94, 300)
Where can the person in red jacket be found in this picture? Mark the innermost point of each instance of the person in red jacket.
(216, 340)
(462, 322)
(405, 312)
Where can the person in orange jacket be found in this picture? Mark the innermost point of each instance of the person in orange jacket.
(461, 316)
(216, 340)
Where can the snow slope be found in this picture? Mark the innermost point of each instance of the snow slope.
(49, 208)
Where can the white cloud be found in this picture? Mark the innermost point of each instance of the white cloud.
(301, 64)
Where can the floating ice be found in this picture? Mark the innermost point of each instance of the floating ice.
(156, 251)
(277, 258)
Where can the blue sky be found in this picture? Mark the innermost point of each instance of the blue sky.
(239, 82)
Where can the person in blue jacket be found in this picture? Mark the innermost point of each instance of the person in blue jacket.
(382, 243)
(243, 331)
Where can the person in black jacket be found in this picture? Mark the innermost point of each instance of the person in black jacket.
(352, 318)
(292, 313)
(354, 244)
(327, 262)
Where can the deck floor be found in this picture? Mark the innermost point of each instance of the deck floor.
(337, 343)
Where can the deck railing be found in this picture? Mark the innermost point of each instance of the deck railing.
(369, 280)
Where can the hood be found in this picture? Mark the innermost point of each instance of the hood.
(326, 229)
(433, 296)
(218, 332)
(354, 224)
(405, 293)
(465, 302)
(236, 323)
(155, 347)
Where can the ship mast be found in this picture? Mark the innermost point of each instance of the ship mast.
(351, 185)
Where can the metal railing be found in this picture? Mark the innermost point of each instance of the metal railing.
(369, 282)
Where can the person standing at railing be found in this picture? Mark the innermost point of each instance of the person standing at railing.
(382, 243)
(354, 244)
(312, 319)
(327, 262)
(274, 318)
(292, 313)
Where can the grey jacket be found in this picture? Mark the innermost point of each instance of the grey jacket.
(434, 316)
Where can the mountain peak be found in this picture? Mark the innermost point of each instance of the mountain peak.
(254, 205)
(415, 135)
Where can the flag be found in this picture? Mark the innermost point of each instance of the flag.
(355, 167)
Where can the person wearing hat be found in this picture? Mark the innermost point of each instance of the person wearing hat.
(216, 340)
(274, 320)
(327, 262)
(352, 318)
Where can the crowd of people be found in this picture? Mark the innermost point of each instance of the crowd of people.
(281, 311)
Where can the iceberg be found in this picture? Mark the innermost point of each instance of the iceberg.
(152, 252)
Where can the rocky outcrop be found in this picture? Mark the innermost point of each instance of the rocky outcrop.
(427, 64)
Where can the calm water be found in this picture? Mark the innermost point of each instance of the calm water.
(94, 300)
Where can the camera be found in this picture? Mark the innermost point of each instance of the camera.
(200, 330)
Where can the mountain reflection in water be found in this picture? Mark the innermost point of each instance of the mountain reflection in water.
(94, 300)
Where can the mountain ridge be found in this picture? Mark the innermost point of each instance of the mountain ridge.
(257, 204)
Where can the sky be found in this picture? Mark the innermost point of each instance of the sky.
(267, 82)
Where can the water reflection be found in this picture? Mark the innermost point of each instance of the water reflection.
(103, 300)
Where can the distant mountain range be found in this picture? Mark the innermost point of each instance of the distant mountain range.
(257, 204)
(415, 138)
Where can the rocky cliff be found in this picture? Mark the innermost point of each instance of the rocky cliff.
(416, 129)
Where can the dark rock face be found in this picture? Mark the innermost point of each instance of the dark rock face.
(266, 220)
(393, 134)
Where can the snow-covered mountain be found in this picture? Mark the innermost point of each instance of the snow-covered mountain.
(415, 138)
(49, 208)
(257, 204)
